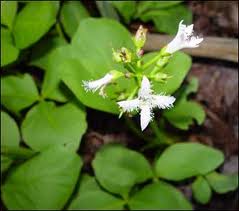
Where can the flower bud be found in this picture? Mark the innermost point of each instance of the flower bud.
(123, 55)
(140, 37)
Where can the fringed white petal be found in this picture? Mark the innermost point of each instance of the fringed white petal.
(97, 84)
(145, 89)
(129, 105)
(183, 39)
(163, 102)
(145, 116)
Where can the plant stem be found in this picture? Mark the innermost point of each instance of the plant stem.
(135, 130)
(155, 59)
(59, 31)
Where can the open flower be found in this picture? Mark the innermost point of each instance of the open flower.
(183, 39)
(145, 102)
(98, 84)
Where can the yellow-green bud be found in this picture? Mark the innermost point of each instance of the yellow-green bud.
(140, 37)
(123, 55)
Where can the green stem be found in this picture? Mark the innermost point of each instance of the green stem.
(155, 59)
(59, 31)
(158, 134)
(130, 67)
(135, 130)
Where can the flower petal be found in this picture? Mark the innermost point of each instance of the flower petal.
(145, 116)
(162, 101)
(145, 89)
(129, 105)
(95, 85)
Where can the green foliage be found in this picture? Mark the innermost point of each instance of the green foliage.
(201, 190)
(184, 160)
(30, 28)
(45, 173)
(167, 19)
(107, 10)
(10, 137)
(9, 52)
(91, 197)
(8, 13)
(125, 8)
(72, 13)
(222, 183)
(43, 49)
(165, 15)
(118, 169)
(18, 92)
(159, 195)
(185, 111)
(44, 182)
(51, 87)
(95, 60)
(46, 125)
(177, 69)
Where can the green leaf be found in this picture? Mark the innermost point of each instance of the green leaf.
(167, 20)
(177, 69)
(72, 13)
(33, 21)
(184, 111)
(94, 41)
(18, 92)
(43, 49)
(10, 135)
(184, 160)
(107, 10)
(5, 163)
(9, 52)
(53, 63)
(8, 12)
(46, 125)
(91, 197)
(118, 168)
(160, 195)
(44, 182)
(145, 6)
(222, 183)
(201, 190)
(125, 8)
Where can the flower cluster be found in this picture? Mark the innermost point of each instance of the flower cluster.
(146, 99)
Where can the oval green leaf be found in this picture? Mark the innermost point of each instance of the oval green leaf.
(18, 92)
(201, 190)
(118, 169)
(159, 196)
(8, 12)
(9, 52)
(185, 111)
(46, 125)
(184, 160)
(72, 13)
(10, 135)
(222, 183)
(44, 182)
(33, 21)
(91, 197)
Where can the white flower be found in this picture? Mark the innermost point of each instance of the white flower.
(145, 102)
(183, 39)
(98, 84)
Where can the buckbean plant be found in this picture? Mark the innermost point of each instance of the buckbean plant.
(56, 61)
